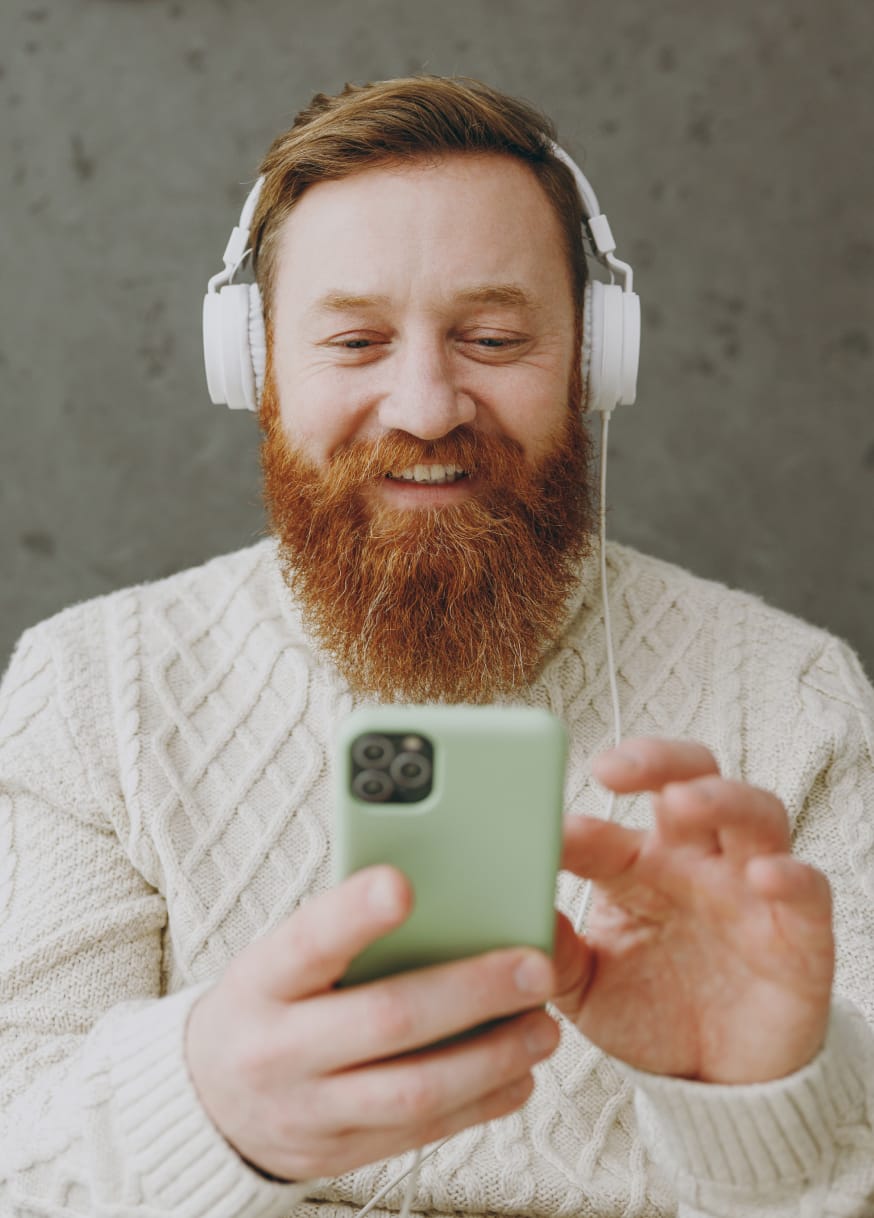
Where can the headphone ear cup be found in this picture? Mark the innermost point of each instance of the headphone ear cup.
(227, 356)
(257, 339)
(586, 352)
(611, 360)
(212, 348)
(630, 347)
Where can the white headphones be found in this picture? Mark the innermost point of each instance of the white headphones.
(235, 348)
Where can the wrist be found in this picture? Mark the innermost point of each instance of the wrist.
(744, 1135)
(259, 1171)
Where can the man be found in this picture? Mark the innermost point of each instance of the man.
(172, 1039)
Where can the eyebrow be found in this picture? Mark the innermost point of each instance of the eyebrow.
(506, 295)
(509, 295)
(344, 302)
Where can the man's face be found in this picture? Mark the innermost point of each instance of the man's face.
(419, 299)
(425, 465)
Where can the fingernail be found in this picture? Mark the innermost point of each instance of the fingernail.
(627, 756)
(533, 976)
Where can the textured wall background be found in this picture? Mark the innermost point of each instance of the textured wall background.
(730, 146)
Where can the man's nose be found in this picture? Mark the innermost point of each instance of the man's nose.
(424, 397)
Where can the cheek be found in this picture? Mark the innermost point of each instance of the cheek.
(315, 424)
(309, 413)
(536, 421)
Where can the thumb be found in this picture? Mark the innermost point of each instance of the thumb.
(574, 967)
(311, 950)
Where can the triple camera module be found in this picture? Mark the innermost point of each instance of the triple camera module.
(391, 769)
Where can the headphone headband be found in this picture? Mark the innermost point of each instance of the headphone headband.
(233, 322)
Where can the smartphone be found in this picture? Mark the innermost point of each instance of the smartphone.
(467, 802)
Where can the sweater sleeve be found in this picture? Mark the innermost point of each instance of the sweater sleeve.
(802, 1146)
(97, 1111)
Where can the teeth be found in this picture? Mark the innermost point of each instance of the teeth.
(432, 474)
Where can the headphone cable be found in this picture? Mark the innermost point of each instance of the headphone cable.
(582, 911)
(412, 1172)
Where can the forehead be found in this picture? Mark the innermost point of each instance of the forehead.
(431, 225)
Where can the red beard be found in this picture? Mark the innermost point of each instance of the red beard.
(457, 603)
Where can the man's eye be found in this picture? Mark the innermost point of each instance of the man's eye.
(495, 342)
(355, 344)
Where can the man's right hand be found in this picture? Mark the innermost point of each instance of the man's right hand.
(305, 1080)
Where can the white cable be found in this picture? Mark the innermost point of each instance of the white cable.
(413, 1170)
(605, 596)
(418, 1160)
(410, 1190)
(608, 632)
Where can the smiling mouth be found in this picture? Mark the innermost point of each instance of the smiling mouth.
(429, 475)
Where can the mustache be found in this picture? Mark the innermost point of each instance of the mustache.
(503, 474)
(476, 452)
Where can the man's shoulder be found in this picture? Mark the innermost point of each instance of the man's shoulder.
(667, 608)
(194, 595)
(771, 694)
(655, 584)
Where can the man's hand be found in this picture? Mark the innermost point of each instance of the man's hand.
(708, 952)
(305, 1080)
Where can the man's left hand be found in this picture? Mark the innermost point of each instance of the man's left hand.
(708, 951)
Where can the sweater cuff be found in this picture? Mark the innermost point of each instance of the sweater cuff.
(183, 1162)
(755, 1136)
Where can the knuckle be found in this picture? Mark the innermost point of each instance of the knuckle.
(286, 1128)
(310, 935)
(494, 983)
(486, 981)
(261, 1054)
(415, 1097)
(304, 943)
(252, 1060)
(302, 1113)
(391, 1017)
(298, 1130)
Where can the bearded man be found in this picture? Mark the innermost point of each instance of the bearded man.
(173, 1041)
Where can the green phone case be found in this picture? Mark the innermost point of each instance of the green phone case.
(481, 849)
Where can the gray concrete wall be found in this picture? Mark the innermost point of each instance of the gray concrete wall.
(730, 144)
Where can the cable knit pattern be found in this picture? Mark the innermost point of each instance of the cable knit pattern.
(128, 706)
(164, 799)
(7, 855)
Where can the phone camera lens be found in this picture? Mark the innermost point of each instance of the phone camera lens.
(410, 771)
(373, 752)
(373, 786)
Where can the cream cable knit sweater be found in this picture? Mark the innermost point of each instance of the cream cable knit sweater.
(163, 800)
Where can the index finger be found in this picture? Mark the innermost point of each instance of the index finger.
(596, 849)
(646, 763)
(310, 950)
